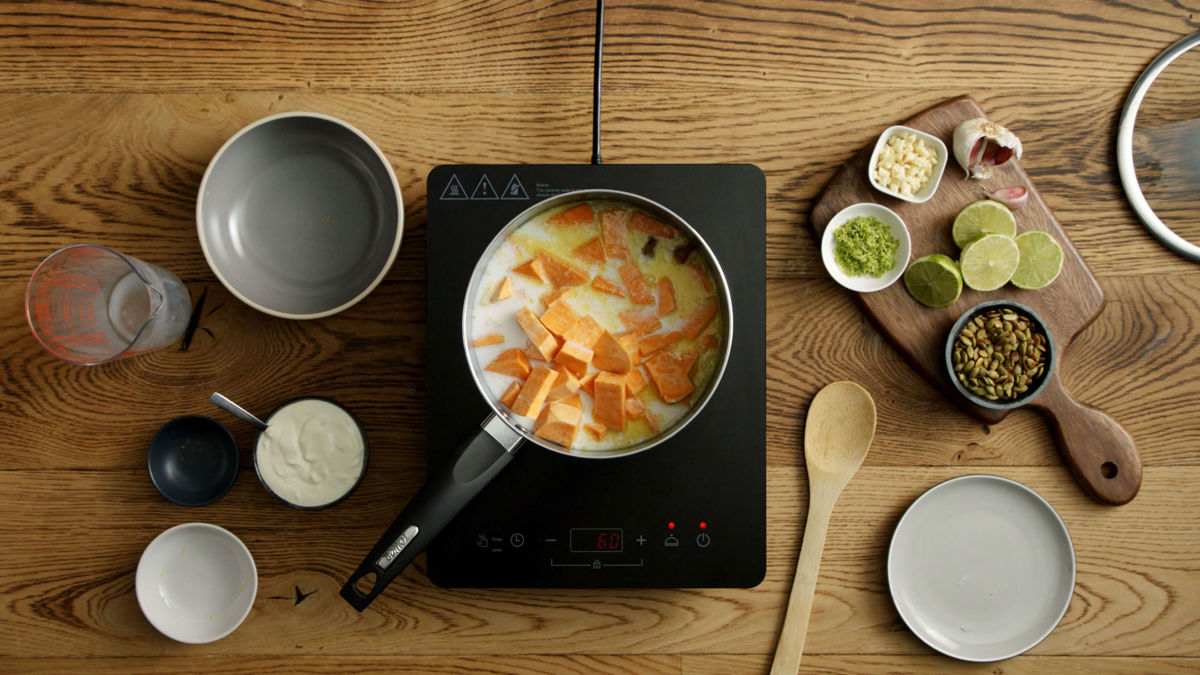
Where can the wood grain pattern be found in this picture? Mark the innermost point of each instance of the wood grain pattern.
(110, 114)
(1132, 568)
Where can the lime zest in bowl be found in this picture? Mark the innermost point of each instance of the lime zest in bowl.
(864, 247)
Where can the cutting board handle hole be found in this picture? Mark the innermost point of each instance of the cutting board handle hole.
(1108, 470)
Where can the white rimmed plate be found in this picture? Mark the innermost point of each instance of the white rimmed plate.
(981, 568)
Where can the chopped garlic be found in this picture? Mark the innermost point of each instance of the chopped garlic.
(905, 164)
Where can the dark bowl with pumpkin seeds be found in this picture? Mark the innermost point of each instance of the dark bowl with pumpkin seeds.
(1000, 354)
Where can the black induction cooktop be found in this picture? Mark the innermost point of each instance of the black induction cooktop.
(688, 513)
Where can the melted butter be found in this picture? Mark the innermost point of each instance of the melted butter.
(311, 453)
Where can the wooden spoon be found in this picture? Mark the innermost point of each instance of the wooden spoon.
(837, 435)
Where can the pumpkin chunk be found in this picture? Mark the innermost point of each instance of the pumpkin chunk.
(503, 289)
(543, 341)
(669, 374)
(510, 394)
(640, 321)
(559, 318)
(635, 382)
(596, 430)
(605, 286)
(613, 233)
(651, 226)
(565, 384)
(635, 283)
(510, 362)
(701, 274)
(561, 424)
(587, 382)
(549, 297)
(609, 407)
(657, 341)
(591, 251)
(487, 340)
(533, 269)
(574, 358)
(698, 320)
(666, 296)
(609, 354)
(585, 333)
(634, 408)
(579, 215)
(533, 395)
(559, 271)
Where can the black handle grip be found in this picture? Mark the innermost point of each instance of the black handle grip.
(476, 461)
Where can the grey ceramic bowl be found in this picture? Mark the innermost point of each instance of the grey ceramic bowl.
(1038, 385)
(300, 215)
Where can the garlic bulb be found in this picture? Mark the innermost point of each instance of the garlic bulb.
(980, 144)
(1014, 196)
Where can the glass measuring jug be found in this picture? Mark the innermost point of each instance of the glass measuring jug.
(89, 304)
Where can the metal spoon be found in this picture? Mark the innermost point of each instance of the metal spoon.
(236, 410)
(837, 435)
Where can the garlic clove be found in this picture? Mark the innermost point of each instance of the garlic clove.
(1014, 196)
(980, 144)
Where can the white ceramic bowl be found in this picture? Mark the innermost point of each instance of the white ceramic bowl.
(899, 231)
(926, 191)
(196, 582)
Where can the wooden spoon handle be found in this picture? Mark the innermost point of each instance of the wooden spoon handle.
(1097, 449)
(795, 623)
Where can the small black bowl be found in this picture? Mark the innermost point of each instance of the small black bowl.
(1038, 385)
(193, 460)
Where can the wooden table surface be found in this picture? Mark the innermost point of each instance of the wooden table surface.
(110, 112)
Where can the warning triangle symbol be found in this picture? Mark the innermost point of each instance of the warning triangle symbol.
(454, 189)
(514, 189)
(484, 189)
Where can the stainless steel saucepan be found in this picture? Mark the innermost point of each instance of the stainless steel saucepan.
(488, 449)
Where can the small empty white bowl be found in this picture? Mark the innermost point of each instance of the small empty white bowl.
(898, 230)
(931, 186)
(196, 582)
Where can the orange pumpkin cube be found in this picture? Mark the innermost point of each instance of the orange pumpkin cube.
(510, 394)
(543, 341)
(609, 408)
(559, 318)
(574, 357)
(511, 362)
(533, 395)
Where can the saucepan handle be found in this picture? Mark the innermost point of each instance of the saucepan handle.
(472, 466)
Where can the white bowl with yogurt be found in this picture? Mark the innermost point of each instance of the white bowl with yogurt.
(313, 453)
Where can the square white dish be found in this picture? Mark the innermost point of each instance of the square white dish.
(940, 152)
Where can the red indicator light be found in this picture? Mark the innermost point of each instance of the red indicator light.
(671, 525)
(703, 525)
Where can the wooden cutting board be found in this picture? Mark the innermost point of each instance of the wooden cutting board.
(1099, 451)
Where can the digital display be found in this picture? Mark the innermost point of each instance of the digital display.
(596, 540)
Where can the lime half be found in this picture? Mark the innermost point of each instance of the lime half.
(989, 262)
(981, 218)
(1041, 260)
(934, 280)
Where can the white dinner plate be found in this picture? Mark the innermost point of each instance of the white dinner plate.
(981, 568)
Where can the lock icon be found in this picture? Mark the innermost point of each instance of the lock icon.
(595, 564)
